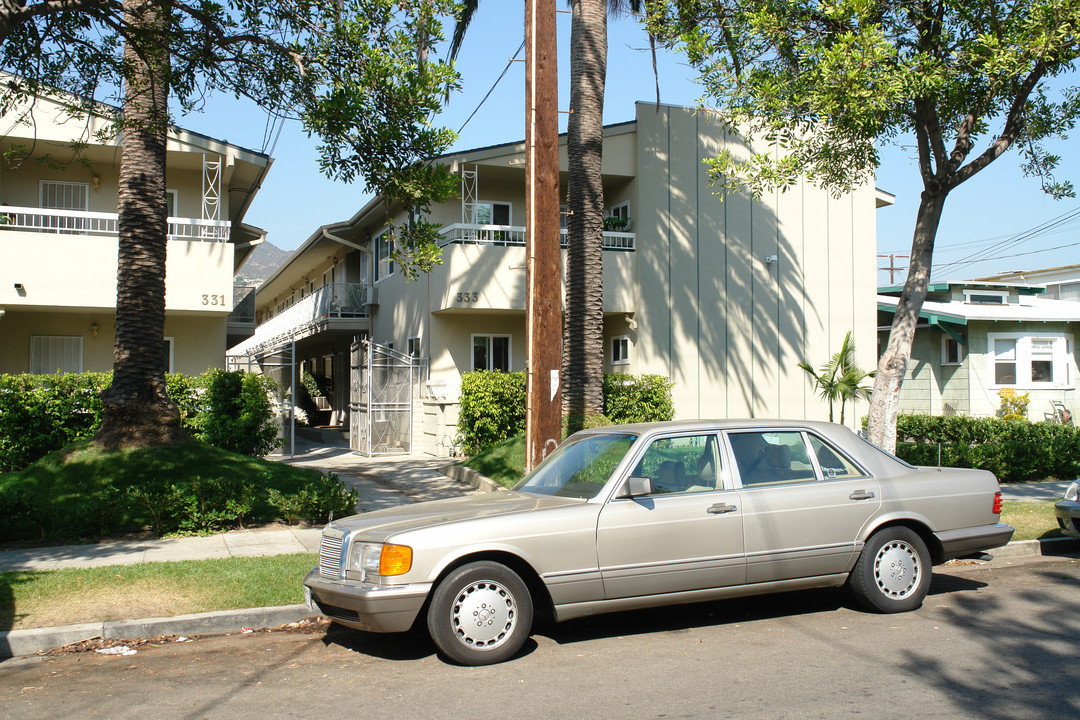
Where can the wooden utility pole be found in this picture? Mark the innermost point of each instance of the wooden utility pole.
(543, 304)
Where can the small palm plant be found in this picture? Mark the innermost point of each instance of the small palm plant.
(840, 379)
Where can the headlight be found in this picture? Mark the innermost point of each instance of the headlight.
(1072, 492)
(380, 559)
(365, 558)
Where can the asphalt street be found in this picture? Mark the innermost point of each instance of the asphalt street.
(991, 641)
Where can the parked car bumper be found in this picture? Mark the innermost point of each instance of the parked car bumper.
(375, 608)
(968, 541)
(1068, 516)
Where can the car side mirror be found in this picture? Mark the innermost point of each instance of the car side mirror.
(637, 486)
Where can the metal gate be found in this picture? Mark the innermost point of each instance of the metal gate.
(382, 381)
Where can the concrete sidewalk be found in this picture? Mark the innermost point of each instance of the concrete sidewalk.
(239, 543)
(1035, 491)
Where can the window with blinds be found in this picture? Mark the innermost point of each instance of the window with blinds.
(55, 353)
(59, 195)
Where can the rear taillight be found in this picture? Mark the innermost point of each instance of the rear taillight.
(997, 503)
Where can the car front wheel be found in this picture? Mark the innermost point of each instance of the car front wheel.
(480, 614)
(893, 572)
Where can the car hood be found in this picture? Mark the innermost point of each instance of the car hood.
(380, 524)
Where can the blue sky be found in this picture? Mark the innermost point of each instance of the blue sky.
(983, 218)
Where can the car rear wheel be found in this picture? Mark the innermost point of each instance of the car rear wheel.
(893, 572)
(480, 614)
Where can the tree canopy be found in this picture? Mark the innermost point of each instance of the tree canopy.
(355, 73)
(826, 81)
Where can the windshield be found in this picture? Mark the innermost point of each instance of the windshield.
(579, 467)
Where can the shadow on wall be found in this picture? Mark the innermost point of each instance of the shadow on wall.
(741, 287)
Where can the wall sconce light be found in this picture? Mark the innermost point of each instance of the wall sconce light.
(95, 181)
(20, 289)
(94, 329)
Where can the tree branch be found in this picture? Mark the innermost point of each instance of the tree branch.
(1014, 125)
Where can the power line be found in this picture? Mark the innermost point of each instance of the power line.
(1054, 224)
(501, 75)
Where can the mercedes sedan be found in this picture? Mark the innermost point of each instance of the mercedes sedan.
(634, 516)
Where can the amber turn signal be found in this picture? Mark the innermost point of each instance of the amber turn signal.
(395, 560)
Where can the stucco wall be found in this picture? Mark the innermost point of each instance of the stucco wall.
(198, 342)
(81, 272)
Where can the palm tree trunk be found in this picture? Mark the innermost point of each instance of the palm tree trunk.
(138, 411)
(892, 367)
(583, 329)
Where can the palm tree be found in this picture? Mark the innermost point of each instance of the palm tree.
(137, 408)
(583, 325)
(839, 379)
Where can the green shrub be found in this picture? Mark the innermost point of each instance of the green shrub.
(41, 413)
(492, 409)
(307, 390)
(238, 413)
(1014, 450)
(638, 398)
(493, 405)
(191, 488)
(320, 501)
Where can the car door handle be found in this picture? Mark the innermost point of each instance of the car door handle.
(861, 495)
(721, 508)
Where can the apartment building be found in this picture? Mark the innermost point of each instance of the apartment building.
(723, 295)
(58, 239)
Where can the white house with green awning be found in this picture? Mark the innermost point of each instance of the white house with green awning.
(976, 339)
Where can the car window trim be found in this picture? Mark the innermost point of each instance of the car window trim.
(647, 441)
(833, 448)
(737, 472)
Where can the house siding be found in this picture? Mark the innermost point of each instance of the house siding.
(726, 325)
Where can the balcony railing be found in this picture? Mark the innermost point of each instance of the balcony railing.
(332, 301)
(509, 235)
(75, 222)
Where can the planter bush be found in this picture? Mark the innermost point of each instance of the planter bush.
(43, 413)
(86, 493)
(493, 405)
(1014, 450)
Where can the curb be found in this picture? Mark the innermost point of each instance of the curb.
(15, 643)
(1027, 548)
(468, 476)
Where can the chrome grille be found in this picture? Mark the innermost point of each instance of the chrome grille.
(330, 557)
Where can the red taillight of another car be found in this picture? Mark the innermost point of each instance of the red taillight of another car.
(997, 503)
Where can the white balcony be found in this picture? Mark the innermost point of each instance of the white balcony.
(504, 235)
(316, 312)
(75, 222)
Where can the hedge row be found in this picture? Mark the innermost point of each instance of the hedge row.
(188, 489)
(493, 405)
(42, 413)
(1014, 450)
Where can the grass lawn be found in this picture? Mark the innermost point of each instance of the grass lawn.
(83, 464)
(1033, 520)
(75, 595)
(81, 493)
(504, 463)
